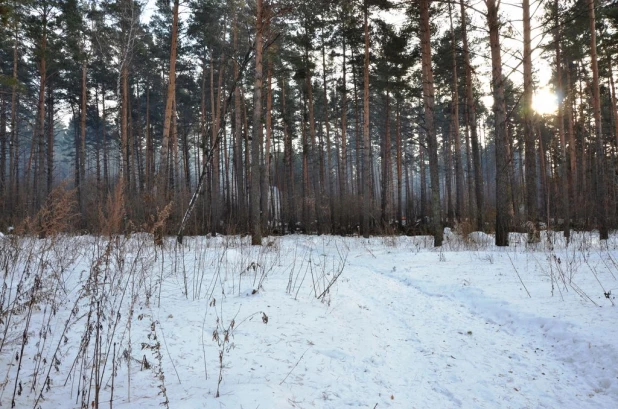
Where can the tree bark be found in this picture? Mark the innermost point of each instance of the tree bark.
(343, 176)
(572, 145)
(13, 197)
(313, 155)
(459, 172)
(289, 163)
(3, 145)
(163, 174)
(386, 166)
(428, 104)
(602, 197)
(256, 225)
(238, 139)
(50, 140)
(502, 174)
(124, 122)
(82, 128)
(265, 174)
(562, 165)
(471, 124)
(329, 179)
(104, 137)
(39, 136)
(529, 139)
(366, 185)
(399, 167)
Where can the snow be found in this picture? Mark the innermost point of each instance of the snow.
(399, 324)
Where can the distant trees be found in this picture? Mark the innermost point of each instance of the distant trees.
(314, 116)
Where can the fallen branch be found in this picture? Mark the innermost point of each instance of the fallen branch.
(292, 370)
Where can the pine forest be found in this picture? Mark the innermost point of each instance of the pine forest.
(344, 117)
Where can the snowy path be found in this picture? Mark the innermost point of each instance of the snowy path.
(463, 349)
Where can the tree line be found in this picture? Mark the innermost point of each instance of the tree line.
(272, 117)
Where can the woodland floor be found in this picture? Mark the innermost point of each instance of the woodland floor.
(318, 322)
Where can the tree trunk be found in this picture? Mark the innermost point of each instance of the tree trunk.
(238, 139)
(386, 166)
(447, 141)
(3, 145)
(39, 136)
(572, 146)
(82, 128)
(98, 142)
(314, 158)
(459, 172)
(50, 140)
(471, 124)
(614, 102)
(357, 147)
(265, 174)
(289, 163)
(150, 166)
(502, 174)
(529, 139)
(216, 112)
(175, 171)
(343, 176)
(104, 137)
(428, 104)
(423, 183)
(366, 186)
(399, 167)
(562, 165)
(256, 225)
(137, 143)
(329, 179)
(124, 123)
(602, 197)
(163, 174)
(13, 197)
(544, 184)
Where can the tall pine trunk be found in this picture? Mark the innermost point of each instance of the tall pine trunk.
(529, 139)
(365, 195)
(432, 142)
(472, 126)
(459, 172)
(39, 135)
(502, 171)
(386, 165)
(256, 225)
(13, 197)
(163, 174)
(601, 193)
(50, 139)
(399, 166)
(265, 176)
(562, 165)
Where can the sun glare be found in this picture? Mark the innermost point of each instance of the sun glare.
(545, 101)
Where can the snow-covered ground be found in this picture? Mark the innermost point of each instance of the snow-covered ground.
(309, 322)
